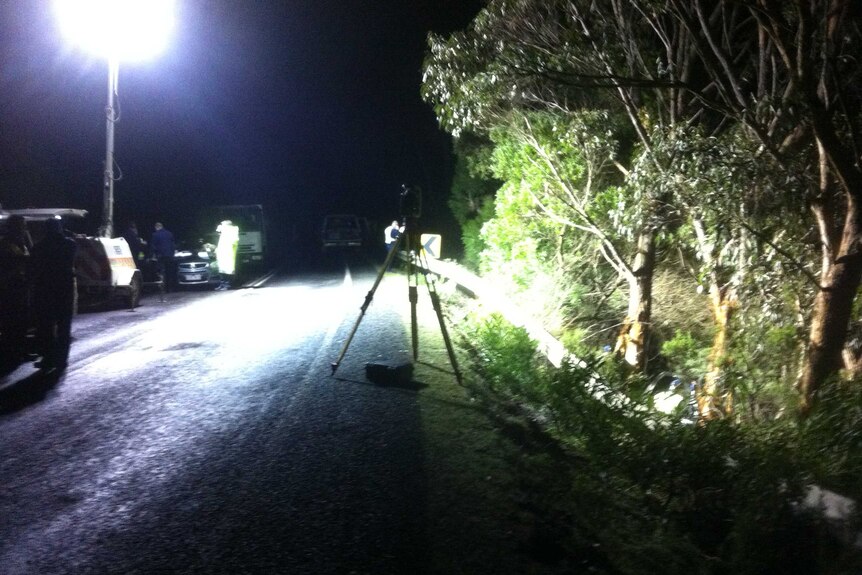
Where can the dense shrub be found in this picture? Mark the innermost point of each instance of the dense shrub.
(659, 496)
(831, 436)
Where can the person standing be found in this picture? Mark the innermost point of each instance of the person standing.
(53, 266)
(163, 249)
(390, 238)
(390, 235)
(136, 244)
(15, 248)
(228, 242)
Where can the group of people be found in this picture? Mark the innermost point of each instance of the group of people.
(37, 287)
(161, 249)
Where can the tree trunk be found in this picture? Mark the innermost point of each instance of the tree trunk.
(713, 400)
(828, 98)
(634, 334)
(832, 309)
(852, 362)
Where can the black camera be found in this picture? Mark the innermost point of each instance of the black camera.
(411, 202)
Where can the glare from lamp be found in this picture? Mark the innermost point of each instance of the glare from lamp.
(119, 30)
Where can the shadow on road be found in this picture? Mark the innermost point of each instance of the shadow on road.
(28, 391)
(411, 385)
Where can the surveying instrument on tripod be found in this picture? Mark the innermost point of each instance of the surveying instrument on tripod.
(409, 241)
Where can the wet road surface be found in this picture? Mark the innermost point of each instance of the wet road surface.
(205, 435)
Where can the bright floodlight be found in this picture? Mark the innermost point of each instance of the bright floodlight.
(120, 30)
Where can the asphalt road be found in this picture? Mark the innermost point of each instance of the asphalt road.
(205, 434)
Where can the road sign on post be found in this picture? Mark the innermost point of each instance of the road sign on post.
(431, 243)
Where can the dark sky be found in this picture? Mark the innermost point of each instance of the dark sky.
(306, 106)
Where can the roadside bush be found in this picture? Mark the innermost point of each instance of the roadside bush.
(505, 358)
(831, 437)
(761, 369)
(686, 356)
(471, 237)
(657, 496)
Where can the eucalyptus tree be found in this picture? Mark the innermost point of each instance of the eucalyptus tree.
(512, 59)
(788, 72)
(643, 53)
(741, 242)
(564, 165)
(566, 56)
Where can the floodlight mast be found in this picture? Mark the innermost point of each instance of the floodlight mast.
(107, 228)
(128, 30)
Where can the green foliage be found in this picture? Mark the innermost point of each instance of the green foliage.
(726, 182)
(547, 242)
(506, 357)
(472, 196)
(761, 368)
(658, 496)
(686, 356)
(832, 437)
(515, 237)
(471, 236)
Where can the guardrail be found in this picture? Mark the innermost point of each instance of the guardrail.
(547, 344)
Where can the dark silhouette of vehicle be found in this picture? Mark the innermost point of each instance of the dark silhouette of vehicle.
(343, 231)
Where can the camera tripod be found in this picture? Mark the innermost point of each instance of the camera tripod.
(416, 261)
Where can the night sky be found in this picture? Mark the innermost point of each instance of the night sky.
(305, 106)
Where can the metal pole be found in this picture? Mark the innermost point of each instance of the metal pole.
(110, 120)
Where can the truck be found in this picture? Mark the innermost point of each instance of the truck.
(104, 267)
(343, 232)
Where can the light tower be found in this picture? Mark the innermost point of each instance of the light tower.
(119, 31)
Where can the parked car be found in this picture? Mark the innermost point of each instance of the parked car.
(197, 266)
(343, 231)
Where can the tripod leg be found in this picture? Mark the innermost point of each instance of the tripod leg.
(413, 295)
(435, 301)
(414, 329)
(368, 297)
(438, 309)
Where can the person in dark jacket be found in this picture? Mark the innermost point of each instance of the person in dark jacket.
(136, 244)
(163, 249)
(53, 269)
(15, 247)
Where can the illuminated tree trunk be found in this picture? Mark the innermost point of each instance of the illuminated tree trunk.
(852, 363)
(841, 266)
(832, 309)
(634, 334)
(713, 400)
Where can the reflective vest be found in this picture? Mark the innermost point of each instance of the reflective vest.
(226, 250)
